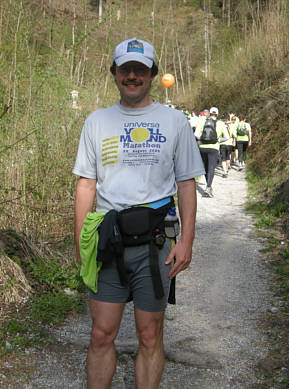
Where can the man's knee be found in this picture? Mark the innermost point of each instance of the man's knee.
(150, 338)
(102, 338)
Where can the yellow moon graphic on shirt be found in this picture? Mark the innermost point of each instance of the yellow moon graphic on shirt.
(139, 134)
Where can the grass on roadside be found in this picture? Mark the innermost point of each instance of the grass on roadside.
(56, 291)
(29, 326)
(271, 220)
(267, 213)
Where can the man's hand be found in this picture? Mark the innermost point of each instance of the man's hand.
(183, 256)
(182, 251)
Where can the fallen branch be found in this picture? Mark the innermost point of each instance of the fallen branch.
(6, 107)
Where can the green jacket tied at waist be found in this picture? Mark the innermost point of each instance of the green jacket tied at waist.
(88, 241)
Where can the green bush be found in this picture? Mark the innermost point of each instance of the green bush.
(56, 275)
(53, 307)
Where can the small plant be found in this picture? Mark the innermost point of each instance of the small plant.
(29, 329)
(55, 275)
(265, 221)
(286, 253)
(267, 249)
(52, 307)
(20, 333)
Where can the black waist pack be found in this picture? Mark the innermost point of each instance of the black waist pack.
(136, 226)
(144, 225)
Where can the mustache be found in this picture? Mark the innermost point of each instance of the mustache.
(128, 83)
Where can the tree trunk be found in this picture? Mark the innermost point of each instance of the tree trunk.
(206, 39)
(188, 71)
(153, 21)
(15, 88)
(100, 11)
(229, 13)
(72, 65)
(175, 71)
(1, 20)
(180, 65)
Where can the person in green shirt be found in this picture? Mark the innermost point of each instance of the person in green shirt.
(244, 140)
(226, 148)
(211, 132)
(234, 117)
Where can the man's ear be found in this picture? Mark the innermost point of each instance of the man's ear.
(154, 70)
(113, 68)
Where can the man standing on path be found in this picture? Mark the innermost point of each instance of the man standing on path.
(211, 132)
(136, 152)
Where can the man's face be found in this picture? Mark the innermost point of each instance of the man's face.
(206, 114)
(133, 80)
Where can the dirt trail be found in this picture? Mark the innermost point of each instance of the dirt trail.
(212, 338)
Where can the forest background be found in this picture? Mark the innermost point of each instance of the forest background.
(232, 54)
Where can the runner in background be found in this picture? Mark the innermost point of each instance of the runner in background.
(204, 115)
(235, 122)
(233, 131)
(210, 132)
(193, 121)
(244, 140)
(234, 115)
(226, 147)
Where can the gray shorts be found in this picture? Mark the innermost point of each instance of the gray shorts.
(136, 260)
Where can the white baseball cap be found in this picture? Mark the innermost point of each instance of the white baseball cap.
(134, 50)
(214, 111)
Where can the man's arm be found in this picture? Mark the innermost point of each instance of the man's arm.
(224, 133)
(84, 198)
(187, 203)
(250, 135)
(199, 128)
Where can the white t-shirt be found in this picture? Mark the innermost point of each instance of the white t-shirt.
(194, 121)
(136, 155)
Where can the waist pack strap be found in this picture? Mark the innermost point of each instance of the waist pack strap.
(155, 271)
(172, 293)
(121, 267)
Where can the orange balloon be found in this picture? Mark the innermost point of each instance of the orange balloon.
(168, 80)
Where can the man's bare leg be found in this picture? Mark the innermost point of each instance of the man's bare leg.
(150, 359)
(101, 357)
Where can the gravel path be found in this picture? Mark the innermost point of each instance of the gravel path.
(212, 339)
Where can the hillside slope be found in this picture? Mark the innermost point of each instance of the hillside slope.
(233, 55)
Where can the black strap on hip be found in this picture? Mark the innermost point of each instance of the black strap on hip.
(116, 233)
(155, 270)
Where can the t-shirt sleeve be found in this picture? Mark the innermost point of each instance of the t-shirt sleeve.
(85, 164)
(187, 159)
(199, 128)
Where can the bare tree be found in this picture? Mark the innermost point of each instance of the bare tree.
(206, 39)
(229, 13)
(100, 11)
(188, 70)
(1, 19)
(153, 20)
(180, 64)
(73, 42)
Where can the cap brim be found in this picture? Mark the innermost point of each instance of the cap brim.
(134, 57)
